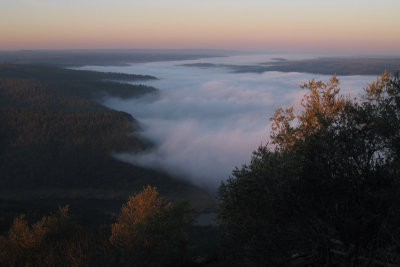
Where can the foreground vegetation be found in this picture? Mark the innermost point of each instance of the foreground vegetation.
(149, 231)
(326, 191)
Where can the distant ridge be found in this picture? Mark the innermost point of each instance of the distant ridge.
(340, 66)
(106, 57)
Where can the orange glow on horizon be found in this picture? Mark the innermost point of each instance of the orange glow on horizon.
(306, 24)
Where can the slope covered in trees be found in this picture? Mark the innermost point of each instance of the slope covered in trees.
(57, 143)
(325, 192)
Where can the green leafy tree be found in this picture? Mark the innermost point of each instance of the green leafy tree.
(327, 192)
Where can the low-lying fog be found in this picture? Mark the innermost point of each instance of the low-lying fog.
(206, 121)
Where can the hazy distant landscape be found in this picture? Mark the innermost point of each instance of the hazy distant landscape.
(106, 57)
(209, 117)
(339, 66)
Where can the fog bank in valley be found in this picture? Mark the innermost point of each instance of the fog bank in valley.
(206, 121)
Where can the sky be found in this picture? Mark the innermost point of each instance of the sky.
(205, 122)
(371, 26)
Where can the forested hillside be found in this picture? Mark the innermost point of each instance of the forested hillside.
(57, 142)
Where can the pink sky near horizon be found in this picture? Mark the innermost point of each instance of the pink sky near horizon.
(359, 26)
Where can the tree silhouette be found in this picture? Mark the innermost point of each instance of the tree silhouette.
(327, 192)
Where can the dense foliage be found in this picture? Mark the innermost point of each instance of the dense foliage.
(325, 192)
(149, 231)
